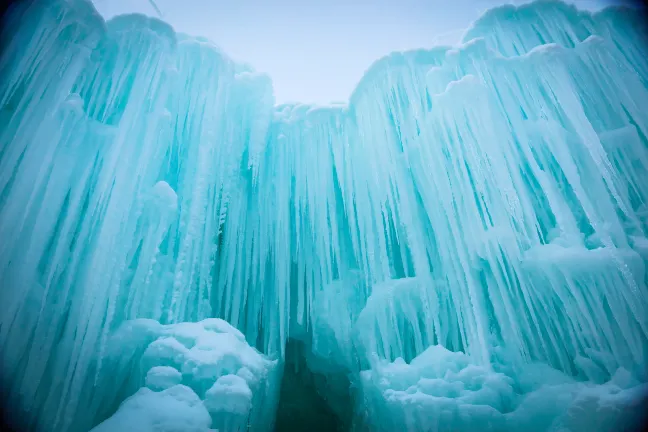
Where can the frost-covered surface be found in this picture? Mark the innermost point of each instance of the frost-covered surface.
(193, 376)
(175, 409)
(162, 377)
(485, 195)
(442, 390)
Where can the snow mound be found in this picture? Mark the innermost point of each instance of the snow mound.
(204, 367)
(161, 378)
(440, 390)
(175, 409)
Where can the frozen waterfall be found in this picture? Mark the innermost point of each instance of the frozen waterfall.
(462, 247)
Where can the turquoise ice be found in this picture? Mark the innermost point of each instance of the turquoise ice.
(460, 247)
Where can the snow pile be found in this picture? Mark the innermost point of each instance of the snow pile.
(441, 390)
(205, 369)
(175, 409)
(162, 377)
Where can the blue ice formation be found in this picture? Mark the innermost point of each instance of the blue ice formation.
(461, 247)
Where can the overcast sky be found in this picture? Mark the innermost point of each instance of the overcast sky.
(316, 50)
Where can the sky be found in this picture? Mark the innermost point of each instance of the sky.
(316, 51)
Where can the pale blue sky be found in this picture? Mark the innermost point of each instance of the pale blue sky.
(316, 51)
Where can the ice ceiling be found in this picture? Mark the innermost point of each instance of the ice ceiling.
(461, 247)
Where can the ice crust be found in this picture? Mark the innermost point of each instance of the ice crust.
(465, 241)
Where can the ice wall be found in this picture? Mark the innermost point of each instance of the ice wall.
(477, 199)
(118, 157)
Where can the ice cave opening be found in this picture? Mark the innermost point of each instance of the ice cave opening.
(461, 247)
(310, 400)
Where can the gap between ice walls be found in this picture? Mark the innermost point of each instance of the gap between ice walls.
(463, 244)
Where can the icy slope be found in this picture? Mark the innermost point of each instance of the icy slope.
(470, 199)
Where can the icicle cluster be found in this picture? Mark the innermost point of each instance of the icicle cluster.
(481, 199)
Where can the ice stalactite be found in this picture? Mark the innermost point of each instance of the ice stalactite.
(464, 241)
